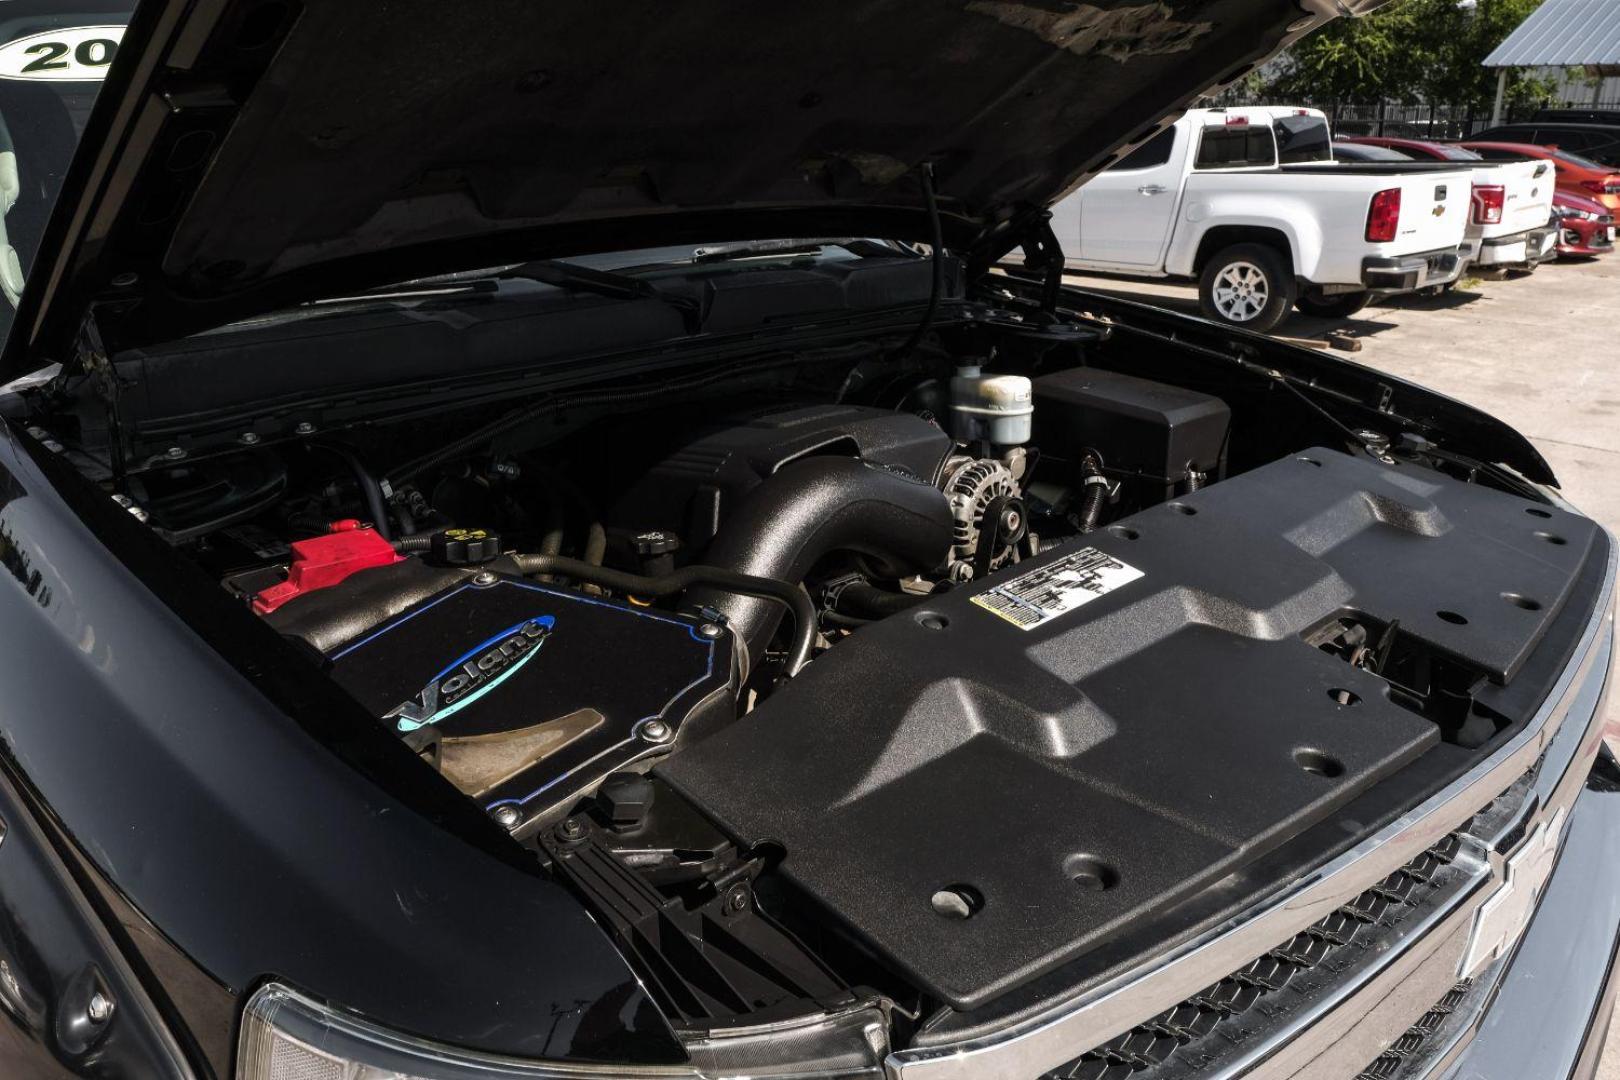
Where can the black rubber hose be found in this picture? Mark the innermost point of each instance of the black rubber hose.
(863, 601)
(370, 489)
(936, 241)
(412, 545)
(1095, 496)
(815, 506)
(764, 589)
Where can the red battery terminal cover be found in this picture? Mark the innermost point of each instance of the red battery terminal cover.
(322, 561)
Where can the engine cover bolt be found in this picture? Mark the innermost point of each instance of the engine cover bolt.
(506, 816)
(737, 899)
(656, 731)
(710, 630)
(175, 453)
(304, 428)
(484, 577)
(100, 1008)
(249, 438)
(571, 829)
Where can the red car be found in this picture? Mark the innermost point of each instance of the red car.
(1575, 173)
(1416, 148)
(1585, 226)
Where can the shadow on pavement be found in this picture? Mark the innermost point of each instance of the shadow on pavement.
(1446, 301)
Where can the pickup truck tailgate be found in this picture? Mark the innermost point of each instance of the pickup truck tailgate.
(1434, 212)
(1528, 192)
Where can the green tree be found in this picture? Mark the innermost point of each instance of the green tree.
(1410, 51)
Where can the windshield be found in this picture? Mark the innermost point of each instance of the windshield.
(1364, 152)
(54, 55)
(1579, 162)
(637, 274)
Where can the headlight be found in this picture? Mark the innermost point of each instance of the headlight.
(288, 1036)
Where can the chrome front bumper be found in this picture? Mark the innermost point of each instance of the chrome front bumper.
(1503, 822)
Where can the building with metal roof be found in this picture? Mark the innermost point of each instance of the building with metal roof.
(1561, 34)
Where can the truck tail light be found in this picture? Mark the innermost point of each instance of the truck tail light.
(1488, 202)
(1383, 215)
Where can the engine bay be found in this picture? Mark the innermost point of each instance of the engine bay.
(840, 686)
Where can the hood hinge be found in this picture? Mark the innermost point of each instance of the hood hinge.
(91, 354)
(1031, 230)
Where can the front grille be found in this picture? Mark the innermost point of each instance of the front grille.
(1153, 1049)
(1389, 1063)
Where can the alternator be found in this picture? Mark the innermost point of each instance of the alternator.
(974, 486)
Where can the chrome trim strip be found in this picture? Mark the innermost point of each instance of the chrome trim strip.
(1115, 1006)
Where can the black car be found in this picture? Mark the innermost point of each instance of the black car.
(595, 541)
(1574, 115)
(1596, 142)
(1366, 152)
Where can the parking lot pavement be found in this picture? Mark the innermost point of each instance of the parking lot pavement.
(1540, 352)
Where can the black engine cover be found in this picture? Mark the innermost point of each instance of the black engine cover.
(1078, 741)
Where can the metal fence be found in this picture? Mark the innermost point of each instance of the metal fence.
(1417, 121)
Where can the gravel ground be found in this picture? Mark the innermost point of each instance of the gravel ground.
(1540, 352)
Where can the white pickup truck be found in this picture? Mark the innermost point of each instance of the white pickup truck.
(1510, 222)
(1251, 203)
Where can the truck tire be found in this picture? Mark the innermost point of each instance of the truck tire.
(1341, 306)
(1247, 285)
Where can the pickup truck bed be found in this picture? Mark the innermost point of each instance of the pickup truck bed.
(1249, 193)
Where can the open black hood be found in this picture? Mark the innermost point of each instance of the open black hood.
(247, 154)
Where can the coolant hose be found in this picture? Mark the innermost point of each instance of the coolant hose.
(1095, 496)
(863, 601)
(370, 489)
(762, 589)
(815, 506)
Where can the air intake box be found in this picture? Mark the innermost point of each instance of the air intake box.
(1151, 436)
(524, 695)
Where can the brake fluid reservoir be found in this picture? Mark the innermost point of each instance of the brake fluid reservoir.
(995, 408)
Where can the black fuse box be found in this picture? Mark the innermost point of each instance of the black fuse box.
(1151, 436)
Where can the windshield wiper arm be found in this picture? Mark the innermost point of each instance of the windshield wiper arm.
(753, 249)
(566, 275)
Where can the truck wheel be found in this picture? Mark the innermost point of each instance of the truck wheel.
(1247, 285)
(1341, 306)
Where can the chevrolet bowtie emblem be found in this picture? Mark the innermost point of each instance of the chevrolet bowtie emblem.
(1439, 210)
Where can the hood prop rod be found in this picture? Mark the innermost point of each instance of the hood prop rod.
(93, 359)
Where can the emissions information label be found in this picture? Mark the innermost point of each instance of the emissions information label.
(1031, 599)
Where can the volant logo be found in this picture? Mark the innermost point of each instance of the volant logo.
(473, 674)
